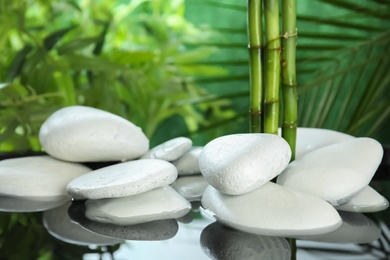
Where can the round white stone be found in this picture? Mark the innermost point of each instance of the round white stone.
(150, 231)
(188, 164)
(85, 134)
(237, 164)
(368, 200)
(356, 228)
(157, 204)
(123, 179)
(335, 173)
(190, 187)
(220, 242)
(272, 210)
(38, 177)
(170, 150)
(310, 139)
(60, 226)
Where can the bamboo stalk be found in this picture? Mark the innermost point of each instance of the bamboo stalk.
(289, 82)
(272, 67)
(255, 72)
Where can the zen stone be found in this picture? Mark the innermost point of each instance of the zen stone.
(368, 200)
(272, 210)
(190, 187)
(86, 134)
(60, 226)
(39, 178)
(356, 228)
(310, 139)
(157, 204)
(170, 150)
(150, 231)
(335, 173)
(123, 179)
(27, 204)
(237, 164)
(220, 242)
(188, 164)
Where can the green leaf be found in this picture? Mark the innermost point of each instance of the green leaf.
(76, 45)
(51, 40)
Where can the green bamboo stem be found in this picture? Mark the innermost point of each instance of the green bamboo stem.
(272, 67)
(255, 71)
(289, 82)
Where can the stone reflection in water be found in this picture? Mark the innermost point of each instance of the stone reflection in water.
(151, 231)
(59, 225)
(24, 204)
(220, 242)
(356, 228)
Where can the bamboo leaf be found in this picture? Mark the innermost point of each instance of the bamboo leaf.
(76, 45)
(51, 40)
(15, 67)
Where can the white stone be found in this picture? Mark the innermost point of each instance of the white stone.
(157, 204)
(170, 150)
(356, 228)
(190, 187)
(38, 177)
(272, 210)
(368, 200)
(310, 139)
(123, 179)
(335, 173)
(26, 204)
(220, 242)
(59, 225)
(150, 231)
(86, 134)
(237, 164)
(188, 164)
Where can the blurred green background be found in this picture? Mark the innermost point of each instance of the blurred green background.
(181, 67)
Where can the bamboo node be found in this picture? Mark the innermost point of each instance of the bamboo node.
(255, 112)
(286, 35)
(252, 47)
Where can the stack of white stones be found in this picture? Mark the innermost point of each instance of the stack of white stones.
(136, 190)
(231, 174)
(332, 171)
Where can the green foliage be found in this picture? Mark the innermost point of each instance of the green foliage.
(342, 67)
(126, 57)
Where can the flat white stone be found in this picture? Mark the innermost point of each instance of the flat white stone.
(157, 204)
(188, 164)
(368, 200)
(190, 187)
(170, 150)
(335, 173)
(150, 231)
(38, 177)
(220, 242)
(356, 228)
(86, 134)
(239, 163)
(59, 225)
(26, 204)
(310, 139)
(123, 179)
(272, 210)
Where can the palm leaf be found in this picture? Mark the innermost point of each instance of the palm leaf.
(342, 62)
